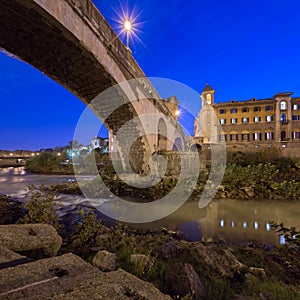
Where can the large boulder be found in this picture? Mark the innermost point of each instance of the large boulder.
(68, 277)
(7, 256)
(105, 261)
(44, 278)
(33, 240)
(117, 285)
(221, 262)
(182, 280)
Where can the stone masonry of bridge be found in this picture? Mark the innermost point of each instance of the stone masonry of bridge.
(72, 43)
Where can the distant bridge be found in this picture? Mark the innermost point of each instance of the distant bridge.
(72, 43)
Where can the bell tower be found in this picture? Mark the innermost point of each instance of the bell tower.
(206, 121)
(208, 96)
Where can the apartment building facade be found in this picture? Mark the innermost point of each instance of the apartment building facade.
(251, 124)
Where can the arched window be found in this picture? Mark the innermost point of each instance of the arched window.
(208, 98)
(283, 105)
(283, 118)
(178, 144)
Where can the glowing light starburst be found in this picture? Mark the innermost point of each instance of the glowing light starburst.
(128, 25)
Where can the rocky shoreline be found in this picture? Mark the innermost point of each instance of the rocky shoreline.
(170, 263)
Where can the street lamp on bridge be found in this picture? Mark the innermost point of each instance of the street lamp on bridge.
(128, 29)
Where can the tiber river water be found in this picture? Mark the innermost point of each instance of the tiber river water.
(226, 219)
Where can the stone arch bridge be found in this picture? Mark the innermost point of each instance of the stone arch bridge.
(72, 43)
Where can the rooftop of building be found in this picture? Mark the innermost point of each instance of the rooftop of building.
(252, 101)
(207, 88)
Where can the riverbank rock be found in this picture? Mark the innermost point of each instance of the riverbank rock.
(218, 260)
(142, 261)
(117, 285)
(32, 240)
(222, 261)
(258, 272)
(105, 261)
(70, 277)
(7, 256)
(182, 280)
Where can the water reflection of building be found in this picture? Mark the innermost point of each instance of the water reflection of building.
(231, 220)
(242, 221)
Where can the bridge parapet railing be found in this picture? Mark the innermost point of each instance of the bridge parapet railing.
(95, 19)
(88, 10)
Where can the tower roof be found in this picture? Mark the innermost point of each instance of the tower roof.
(207, 88)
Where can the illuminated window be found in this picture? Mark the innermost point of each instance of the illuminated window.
(208, 98)
(245, 120)
(269, 135)
(283, 105)
(283, 118)
(222, 121)
(257, 136)
(268, 118)
(295, 106)
(295, 135)
(256, 119)
(233, 121)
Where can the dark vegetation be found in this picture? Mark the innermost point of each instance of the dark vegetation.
(263, 174)
(49, 163)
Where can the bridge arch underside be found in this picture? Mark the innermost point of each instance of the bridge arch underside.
(36, 37)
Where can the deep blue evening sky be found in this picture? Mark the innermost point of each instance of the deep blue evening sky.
(243, 48)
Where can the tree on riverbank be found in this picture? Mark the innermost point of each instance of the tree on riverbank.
(49, 163)
(41, 207)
